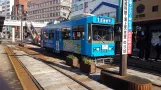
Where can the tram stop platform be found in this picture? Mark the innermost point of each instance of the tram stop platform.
(55, 75)
(8, 77)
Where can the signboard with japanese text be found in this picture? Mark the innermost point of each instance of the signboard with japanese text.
(127, 27)
(104, 20)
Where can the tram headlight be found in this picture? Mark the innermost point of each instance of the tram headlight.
(96, 49)
(111, 48)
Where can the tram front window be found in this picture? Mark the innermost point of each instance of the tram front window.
(102, 33)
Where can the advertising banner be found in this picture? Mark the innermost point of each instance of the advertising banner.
(127, 27)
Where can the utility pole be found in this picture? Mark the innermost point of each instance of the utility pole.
(6, 29)
(123, 57)
(13, 35)
(84, 6)
(21, 29)
(126, 37)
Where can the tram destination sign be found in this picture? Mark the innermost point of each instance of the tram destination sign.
(127, 27)
(104, 20)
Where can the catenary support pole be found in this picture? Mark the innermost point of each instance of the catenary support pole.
(6, 32)
(21, 30)
(13, 35)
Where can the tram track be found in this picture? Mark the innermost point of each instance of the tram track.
(147, 66)
(98, 68)
(60, 69)
(25, 77)
(35, 55)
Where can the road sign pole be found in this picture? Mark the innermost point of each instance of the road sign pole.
(123, 57)
(123, 65)
(126, 36)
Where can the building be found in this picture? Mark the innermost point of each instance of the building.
(20, 7)
(147, 15)
(147, 10)
(48, 10)
(109, 8)
(147, 18)
(6, 12)
(6, 8)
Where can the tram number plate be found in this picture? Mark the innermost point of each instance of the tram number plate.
(104, 46)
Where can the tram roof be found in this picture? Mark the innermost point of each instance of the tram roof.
(82, 20)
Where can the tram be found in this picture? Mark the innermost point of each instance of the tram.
(91, 36)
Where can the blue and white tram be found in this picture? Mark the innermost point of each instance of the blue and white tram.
(91, 36)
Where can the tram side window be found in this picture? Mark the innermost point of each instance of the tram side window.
(51, 34)
(78, 32)
(89, 33)
(66, 33)
(57, 35)
(45, 35)
(42, 35)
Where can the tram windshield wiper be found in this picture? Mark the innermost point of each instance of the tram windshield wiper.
(101, 38)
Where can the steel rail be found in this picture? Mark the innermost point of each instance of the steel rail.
(77, 81)
(25, 87)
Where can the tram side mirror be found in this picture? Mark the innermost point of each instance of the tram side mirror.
(117, 29)
(111, 29)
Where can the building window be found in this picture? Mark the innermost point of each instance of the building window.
(54, 1)
(57, 13)
(76, 8)
(57, 8)
(8, 2)
(86, 4)
(51, 14)
(51, 9)
(54, 8)
(73, 9)
(155, 8)
(58, 1)
(50, 2)
(81, 7)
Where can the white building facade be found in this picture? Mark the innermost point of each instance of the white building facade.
(48, 10)
(6, 8)
(109, 8)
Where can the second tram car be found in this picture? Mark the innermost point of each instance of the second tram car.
(91, 36)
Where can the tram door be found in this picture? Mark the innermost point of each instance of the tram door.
(57, 40)
(51, 39)
(42, 39)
